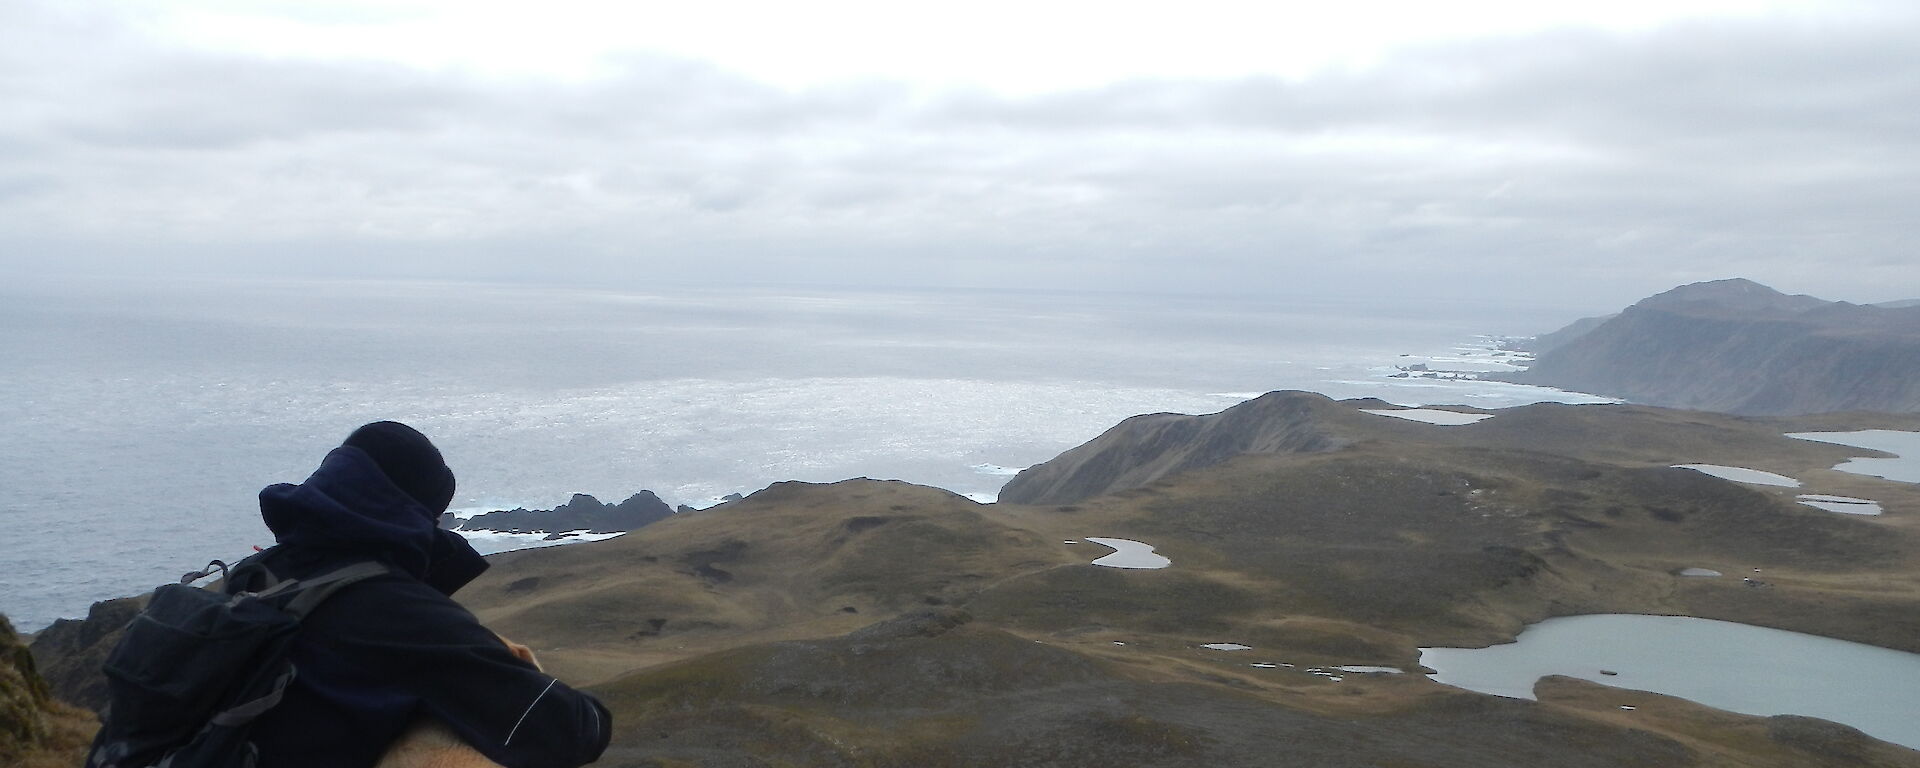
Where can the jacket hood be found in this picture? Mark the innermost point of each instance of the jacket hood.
(350, 509)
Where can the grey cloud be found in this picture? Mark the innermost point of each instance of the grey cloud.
(24, 184)
(210, 103)
(1691, 89)
(1613, 163)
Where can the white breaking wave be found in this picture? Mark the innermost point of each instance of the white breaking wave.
(494, 542)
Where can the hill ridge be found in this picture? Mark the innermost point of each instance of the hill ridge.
(1740, 347)
(1145, 448)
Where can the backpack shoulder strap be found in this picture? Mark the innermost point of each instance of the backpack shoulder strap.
(311, 592)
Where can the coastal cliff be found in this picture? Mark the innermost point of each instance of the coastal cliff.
(1740, 347)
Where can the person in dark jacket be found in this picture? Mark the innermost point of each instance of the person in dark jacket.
(395, 650)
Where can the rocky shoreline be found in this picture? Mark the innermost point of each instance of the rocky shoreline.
(582, 513)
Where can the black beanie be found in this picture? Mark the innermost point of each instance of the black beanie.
(409, 459)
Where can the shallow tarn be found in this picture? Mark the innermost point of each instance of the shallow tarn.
(1846, 505)
(1430, 415)
(1742, 475)
(1128, 553)
(1904, 467)
(1736, 667)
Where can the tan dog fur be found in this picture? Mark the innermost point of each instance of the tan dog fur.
(429, 743)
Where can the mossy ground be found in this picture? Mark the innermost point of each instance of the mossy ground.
(36, 731)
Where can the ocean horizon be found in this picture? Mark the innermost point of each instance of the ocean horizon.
(145, 416)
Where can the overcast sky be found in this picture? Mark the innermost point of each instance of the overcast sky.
(1591, 153)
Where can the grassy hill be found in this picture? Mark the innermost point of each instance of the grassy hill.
(871, 623)
(36, 730)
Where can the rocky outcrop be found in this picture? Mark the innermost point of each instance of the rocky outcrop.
(1740, 347)
(71, 651)
(582, 512)
(1146, 448)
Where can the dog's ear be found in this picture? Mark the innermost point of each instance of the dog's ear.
(521, 652)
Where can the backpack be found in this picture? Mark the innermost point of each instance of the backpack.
(196, 666)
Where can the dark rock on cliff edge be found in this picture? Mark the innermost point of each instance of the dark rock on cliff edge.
(580, 512)
(72, 651)
(1740, 347)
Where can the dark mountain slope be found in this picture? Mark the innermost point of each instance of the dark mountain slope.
(1740, 347)
(1560, 338)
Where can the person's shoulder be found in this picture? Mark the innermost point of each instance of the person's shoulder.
(393, 602)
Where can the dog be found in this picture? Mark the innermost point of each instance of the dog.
(429, 743)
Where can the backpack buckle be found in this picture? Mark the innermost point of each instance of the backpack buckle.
(193, 576)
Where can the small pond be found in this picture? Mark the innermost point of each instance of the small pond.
(1128, 553)
(1847, 505)
(1431, 415)
(1735, 667)
(1742, 475)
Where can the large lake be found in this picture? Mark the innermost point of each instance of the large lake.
(1735, 667)
(1903, 467)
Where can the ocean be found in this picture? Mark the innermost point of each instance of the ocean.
(141, 418)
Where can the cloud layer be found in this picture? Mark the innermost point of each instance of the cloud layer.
(1570, 165)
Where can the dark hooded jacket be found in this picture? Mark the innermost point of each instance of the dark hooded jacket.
(382, 652)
